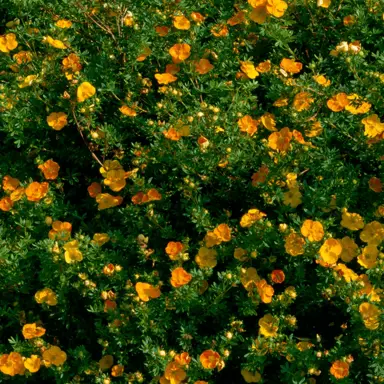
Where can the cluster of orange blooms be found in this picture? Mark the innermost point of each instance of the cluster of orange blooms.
(15, 364)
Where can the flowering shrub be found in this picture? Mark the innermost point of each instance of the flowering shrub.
(192, 191)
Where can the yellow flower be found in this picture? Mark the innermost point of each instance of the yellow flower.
(373, 126)
(368, 258)
(180, 52)
(249, 278)
(12, 364)
(323, 3)
(249, 69)
(181, 22)
(8, 42)
(55, 356)
(57, 120)
(313, 230)
(72, 253)
(31, 331)
(330, 251)
(352, 221)
(85, 91)
(356, 106)
(206, 258)
(259, 14)
(268, 326)
(100, 238)
(370, 315)
(373, 233)
(322, 80)
(32, 363)
(63, 23)
(106, 362)
(203, 66)
(105, 201)
(250, 377)
(27, 81)
(47, 296)
(276, 8)
(292, 197)
(55, 43)
(268, 121)
(251, 217)
(294, 244)
(165, 78)
(348, 274)
(350, 249)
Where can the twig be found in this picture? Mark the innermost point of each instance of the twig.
(84, 139)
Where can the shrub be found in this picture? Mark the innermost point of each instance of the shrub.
(192, 191)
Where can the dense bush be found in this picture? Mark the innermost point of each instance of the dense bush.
(191, 191)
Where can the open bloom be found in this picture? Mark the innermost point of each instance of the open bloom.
(31, 331)
(12, 364)
(180, 277)
(147, 291)
(57, 120)
(339, 369)
(209, 359)
(50, 169)
(85, 91)
(55, 356)
(36, 191)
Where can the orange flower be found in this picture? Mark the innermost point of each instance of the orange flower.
(203, 66)
(85, 91)
(109, 269)
(279, 141)
(109, 305)
(127, 111)
(100, 238)
(32, 363)
(209, 359)
(36, 191)
(60, 231)
(8, 42)
(220, 30)
(240, 254)
(10, 184)
(278, 276)
(294, 244)
(197, 17)
(183, 358)
(50, 169)
(260, 176)
(57, 120)
(276, 8)
(105, 201)
(264, 66)
(165, 78)
(322, 80)
(180, 277)
(12, 364)
(173, 249)
(249, 278)
(180, 52)
(94, 189)
(55, 356)
(375, 185)
(31, 331)
(72, 63)
(302, 101)
(265, 291)
(147, 291)
(313, 230)
(181, 22)
(174, 373)
(6, 204)
(339, 369)
(330, 251)
(172, 69)
(162, 31)
(248, 124)
(338, 102)
(17, 194)
(236, 19)
(291, 66)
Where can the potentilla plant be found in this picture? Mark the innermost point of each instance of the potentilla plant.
(191, 191)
